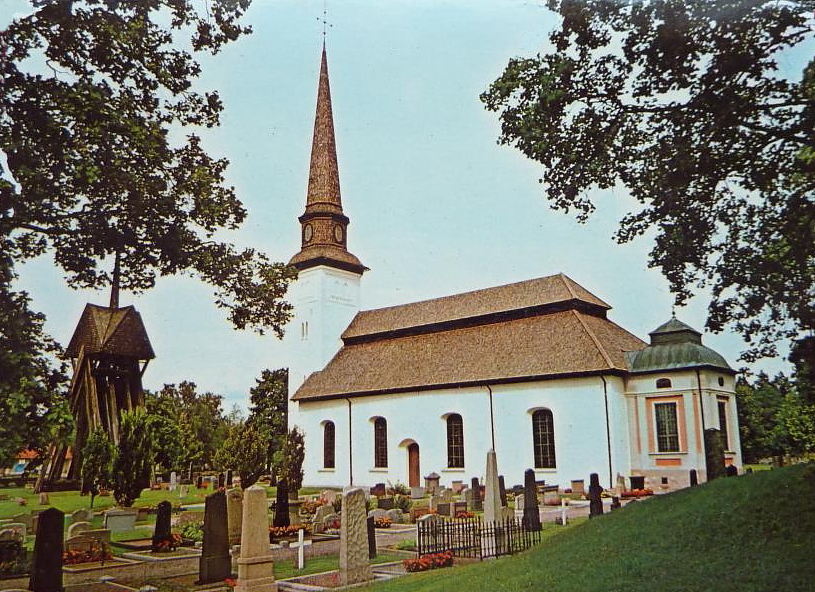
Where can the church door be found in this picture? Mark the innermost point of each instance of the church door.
(414, 476)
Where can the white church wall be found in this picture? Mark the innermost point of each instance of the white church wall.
(577, 406)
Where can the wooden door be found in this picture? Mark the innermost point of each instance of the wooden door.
(414, 475)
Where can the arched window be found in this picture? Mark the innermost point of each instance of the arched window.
(380, 442)
(455, 441)
(543, 439)
(663, 383)
(328, 445)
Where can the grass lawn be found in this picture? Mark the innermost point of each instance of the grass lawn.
(750, 533)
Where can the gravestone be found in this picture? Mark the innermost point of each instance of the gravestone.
(78, 528)
(578, 486)
(519, 503)
(615, 502)
(378, 490)
(416, 492)
(378, 513)
(329, 496)
(44, 499)
(162, 532)
(456, 507)
(317, 523)
(234, 515)
(199, 482)
(530, 496)
(183, 490)
(595, 499)
(502, 490)
(385, 503)
(395, 515)
(221, 480)
(11, 534)
(731, 471)
(281, 508)
(434, 502)
(229, 478)
(255, 566)
(714, 454)
(468, 495)
(46, 570)
(443, 508)
(431, 483)
(120, 520)
(492, 497)
(694, 478)
(173, 481)
(355, 566)
(18, 527)
(457, 486)
(475, 486)
(81, 515)
(301, 545)
(215, 564)
(189, 517)
(447, 495)
(371, 537)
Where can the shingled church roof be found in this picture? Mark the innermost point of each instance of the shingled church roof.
(542, 328)
(114, 331)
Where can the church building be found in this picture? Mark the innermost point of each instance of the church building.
(535, 370)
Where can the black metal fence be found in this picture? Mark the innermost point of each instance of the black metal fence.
(471, 537)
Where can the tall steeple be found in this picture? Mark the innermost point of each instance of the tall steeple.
(324, 225)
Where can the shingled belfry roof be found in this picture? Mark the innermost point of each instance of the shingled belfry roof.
(113, 331)
(542, 328)
(325, 245)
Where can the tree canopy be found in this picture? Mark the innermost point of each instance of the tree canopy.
(268, 411)
(683, 103)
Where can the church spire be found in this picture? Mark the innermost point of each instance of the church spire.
(324, 225)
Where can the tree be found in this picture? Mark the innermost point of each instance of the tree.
(98, 120)
(290, 470)
(198, 418)
(134, 457)
(33, 408)
(268, 410)
(97, 462)
(682, 103)
(244, 451)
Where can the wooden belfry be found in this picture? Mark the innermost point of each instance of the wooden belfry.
(109, 352)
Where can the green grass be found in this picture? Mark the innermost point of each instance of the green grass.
(751, 533)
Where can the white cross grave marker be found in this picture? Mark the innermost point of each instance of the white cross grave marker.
(301, 545)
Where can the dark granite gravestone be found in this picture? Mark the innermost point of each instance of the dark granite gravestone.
(221, 480)
(371, 538)
(385, 503)
(694, 478)
(229, 478)
(714, 454)
(595, 500)
(615, 502)
(162, 530)
(502, 491)
(199, 482)
(46, 571)
(531, 512)
(731, 471)
(477, 499)
(378, 490)
(281, 508)
(215, 564)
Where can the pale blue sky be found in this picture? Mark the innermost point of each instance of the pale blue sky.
(436, 206)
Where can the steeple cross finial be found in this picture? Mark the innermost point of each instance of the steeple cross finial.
(324, 18)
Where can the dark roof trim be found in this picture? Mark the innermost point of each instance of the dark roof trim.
(464, 384)
(329, 262)
(690, 367)
(337, 217)
(485, 319)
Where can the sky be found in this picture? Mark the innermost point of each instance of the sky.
(437, 207)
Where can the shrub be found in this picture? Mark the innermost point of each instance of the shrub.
(97, 461)
(398, 489)
(193, 531)
(431, 561)
(406, 545)
(382, 522)
(402, 502)
(131, 469)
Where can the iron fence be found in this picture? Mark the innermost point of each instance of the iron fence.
(473, 538)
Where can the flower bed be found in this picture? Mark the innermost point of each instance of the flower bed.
(464, 514)
(310, 508)
(427, 562)
(633, 493)
(167, 544)
(282, 532)
(382, 522)
(92, 555)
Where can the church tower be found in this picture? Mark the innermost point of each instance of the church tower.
(326, 294)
